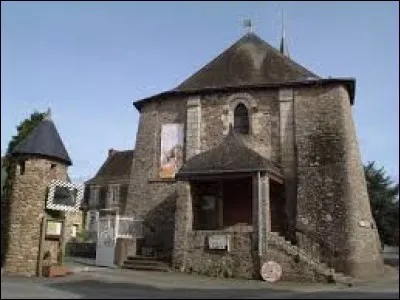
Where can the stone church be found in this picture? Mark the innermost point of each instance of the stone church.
(253, 159)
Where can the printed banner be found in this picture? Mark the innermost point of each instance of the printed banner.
(171, 150)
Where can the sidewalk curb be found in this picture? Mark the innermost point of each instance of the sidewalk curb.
(85, 269)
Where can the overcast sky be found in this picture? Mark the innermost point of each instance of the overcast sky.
(89, 61)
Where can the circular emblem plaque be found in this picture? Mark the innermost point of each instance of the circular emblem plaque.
(271, 271)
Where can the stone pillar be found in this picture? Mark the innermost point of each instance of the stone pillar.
(193, 127)
(261, 211)
(255, 204)
(220, 205)
(288, 154)
(183, 224)
(265, 196)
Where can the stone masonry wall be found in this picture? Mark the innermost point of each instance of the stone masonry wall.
(149, 196)
(27, 206)
(72, 218)
(263, 108)
(190, 246)
(147, 193)
(210, 116)
(239, 262)
(288, 156)
(333, 206)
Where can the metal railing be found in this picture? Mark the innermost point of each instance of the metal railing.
(129, 228)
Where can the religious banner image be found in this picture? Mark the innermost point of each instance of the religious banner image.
(171, 150)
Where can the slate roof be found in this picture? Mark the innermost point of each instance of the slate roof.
(117, 167)
(248, 64)
(249, 61)
(44, 140)
(230, 156)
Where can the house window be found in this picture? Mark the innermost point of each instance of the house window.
(113, 195)
(241, 119)
(94, 197)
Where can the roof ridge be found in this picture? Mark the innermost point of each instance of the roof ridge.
(214, 59)
(261, 63)
(285, 57)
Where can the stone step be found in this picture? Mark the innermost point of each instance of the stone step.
(321, 267)
(144, 263)
(342, 278)
(141, 257)
(159, 268)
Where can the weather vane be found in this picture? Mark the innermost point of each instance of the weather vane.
(48, 114)
(247, 24)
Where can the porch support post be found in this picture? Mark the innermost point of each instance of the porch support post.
(220, 205)
(261, 211)
(265, 195)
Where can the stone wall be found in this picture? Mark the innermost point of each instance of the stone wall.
(71, 219)
(149, 196)
(263, 108)
(332, 205)
(288, 156)
(238, 262)
(296, 265)
(191, 253)
(26, 209)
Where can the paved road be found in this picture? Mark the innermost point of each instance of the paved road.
(134, 284)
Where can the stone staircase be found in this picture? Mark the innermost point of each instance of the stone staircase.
(321, 268)
(145, 263)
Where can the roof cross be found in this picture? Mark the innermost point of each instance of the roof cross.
(247, 24)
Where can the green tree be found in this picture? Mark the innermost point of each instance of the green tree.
(384, 198)
(24, 129)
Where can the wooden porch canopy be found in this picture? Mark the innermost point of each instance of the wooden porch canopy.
(231, 157)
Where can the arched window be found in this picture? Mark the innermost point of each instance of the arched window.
(241, 119)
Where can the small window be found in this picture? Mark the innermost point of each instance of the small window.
(241, 119)
(113, 195)
(21, 167)
(94, 197)
(52, 166)
(74, 230)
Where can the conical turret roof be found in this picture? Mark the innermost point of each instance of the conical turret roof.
(44, 140)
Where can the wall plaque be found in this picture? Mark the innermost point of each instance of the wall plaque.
(219, 242)
(53, 228)
(365, 224)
